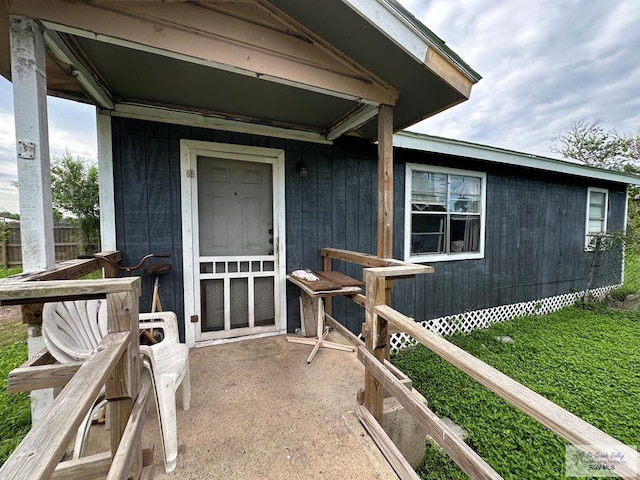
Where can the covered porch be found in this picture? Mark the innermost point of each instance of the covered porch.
(263, 82)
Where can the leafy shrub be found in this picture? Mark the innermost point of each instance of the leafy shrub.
(621, 293)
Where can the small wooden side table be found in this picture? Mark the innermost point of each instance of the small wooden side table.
(313, 301)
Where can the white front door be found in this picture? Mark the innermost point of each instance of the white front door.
(234, 257)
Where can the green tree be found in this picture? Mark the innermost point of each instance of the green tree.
(74, 185)
(9, 215)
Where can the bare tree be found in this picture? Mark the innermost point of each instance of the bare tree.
(589, 143)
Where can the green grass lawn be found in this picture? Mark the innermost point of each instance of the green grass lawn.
(586, 361)
(15, 411)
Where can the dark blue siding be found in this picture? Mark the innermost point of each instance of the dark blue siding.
(535, 230)
(534, 225)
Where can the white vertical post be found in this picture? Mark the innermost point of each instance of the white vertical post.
(28, 74)
(32, 143)
(105, 170)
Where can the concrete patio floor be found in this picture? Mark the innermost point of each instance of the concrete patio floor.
(259, 411)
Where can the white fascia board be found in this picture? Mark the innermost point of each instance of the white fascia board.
(400, 31)
(397, 28)
(192, 119)
(427, 143)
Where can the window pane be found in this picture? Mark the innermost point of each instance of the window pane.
(463, 185)
(427, 233)
(432, 203)
(596, 211)
(428, 182)
(465, 234)
(429, 192)
(464, 204)
(596, 226)
(427, 223)
(597, 198)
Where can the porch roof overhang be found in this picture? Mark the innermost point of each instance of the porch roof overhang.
(321, 70)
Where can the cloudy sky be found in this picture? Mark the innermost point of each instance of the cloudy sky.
(545, 64)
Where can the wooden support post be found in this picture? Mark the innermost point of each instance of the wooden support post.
(107, 190)
(28, 73)
(376, 341)
(385, 181)
(124, 381)
(327, 266)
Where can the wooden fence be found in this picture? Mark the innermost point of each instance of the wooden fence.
(65, 238)
(380, 318)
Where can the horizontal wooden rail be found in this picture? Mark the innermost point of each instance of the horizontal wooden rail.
(565, 424)
(69, 269)
(12, 294)
(461, 453)
(42, 448)
(399, 271)
(92, 466)
(338, 327)
(358, 298)
(22, 379)
(358, 258)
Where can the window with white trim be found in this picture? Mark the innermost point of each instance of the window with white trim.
(444, 213)
(596, 221)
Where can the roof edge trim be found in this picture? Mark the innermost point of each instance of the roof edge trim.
(423, 38)
(459, 148)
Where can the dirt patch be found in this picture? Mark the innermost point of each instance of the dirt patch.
(9, 313)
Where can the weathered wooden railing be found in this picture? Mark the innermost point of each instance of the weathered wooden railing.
(380, 316)
(114, 365)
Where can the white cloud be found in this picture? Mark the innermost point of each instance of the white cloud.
(544, 63)
(71, 129)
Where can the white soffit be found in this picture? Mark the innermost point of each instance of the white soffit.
(185, 30)
(458, 148)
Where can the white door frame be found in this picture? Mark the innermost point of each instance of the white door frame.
(189, 152)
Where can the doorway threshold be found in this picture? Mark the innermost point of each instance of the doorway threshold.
(223, 341)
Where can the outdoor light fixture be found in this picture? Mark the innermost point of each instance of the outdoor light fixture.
(302, 170)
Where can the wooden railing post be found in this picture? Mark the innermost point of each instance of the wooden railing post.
(4, 258)
(124, 382)
(115, 364)
(376, 336)
(327, 266)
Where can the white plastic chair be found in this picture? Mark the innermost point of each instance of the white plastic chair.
(72, 330)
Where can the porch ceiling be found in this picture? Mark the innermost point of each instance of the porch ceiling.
(282, 63)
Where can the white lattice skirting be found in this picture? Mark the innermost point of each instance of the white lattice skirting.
(469, 321)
